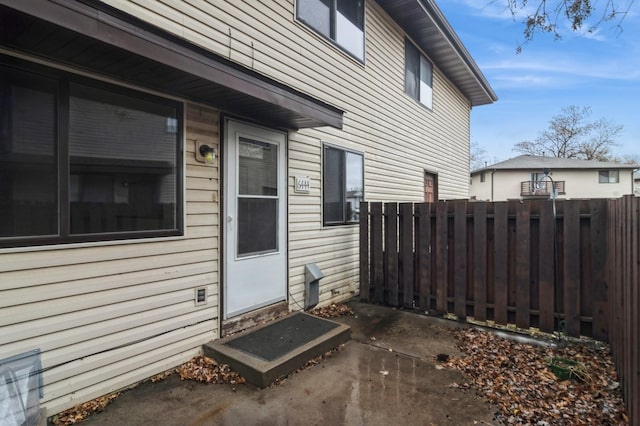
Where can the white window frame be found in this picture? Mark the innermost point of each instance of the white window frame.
(340, 31)
(343, 186)
(422, 88)
(612, 176)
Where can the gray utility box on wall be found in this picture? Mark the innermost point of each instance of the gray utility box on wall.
(312, 276)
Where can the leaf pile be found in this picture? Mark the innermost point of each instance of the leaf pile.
(334, 310)
(82, 411)
(517, 379)
(206, 370)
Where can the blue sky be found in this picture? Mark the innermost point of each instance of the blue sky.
(600, 70)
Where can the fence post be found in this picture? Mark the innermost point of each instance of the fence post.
(377, 270)
(441, 257)
(365, 281)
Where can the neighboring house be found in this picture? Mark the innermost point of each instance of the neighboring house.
(167, 169)
(530, 176)
(636, 183)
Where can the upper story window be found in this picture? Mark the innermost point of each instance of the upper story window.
(609, 176)
(85, 161)
(418, 75)
(342, 185)
(339, 20)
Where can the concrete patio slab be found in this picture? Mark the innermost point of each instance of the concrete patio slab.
(387, 374)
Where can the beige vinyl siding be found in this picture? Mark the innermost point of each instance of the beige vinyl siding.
(401, 136)
(106, 315)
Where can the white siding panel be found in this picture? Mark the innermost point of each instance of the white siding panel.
(106, 315)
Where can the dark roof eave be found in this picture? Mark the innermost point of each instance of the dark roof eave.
(222, 84)
(419, 18)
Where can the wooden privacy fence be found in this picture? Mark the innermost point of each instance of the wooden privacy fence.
(509, 262)
(572, 268)
(623, 236)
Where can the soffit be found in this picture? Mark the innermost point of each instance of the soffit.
(112, 44)
(423, 21)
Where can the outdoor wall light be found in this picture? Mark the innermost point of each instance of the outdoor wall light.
(205, 153)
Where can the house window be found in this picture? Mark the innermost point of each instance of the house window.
(482, 177)
(609, 176)
(418, 75)
(341, 21)
(343, 185)
(82, 161)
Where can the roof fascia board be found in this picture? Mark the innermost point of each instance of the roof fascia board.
(94, 23)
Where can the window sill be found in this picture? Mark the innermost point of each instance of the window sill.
(89, 244)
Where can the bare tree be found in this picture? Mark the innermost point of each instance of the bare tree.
(548, 16)
(572, 135)
(477, 157)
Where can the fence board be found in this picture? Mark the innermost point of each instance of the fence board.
(365, 280)
(598, 237)
(572, 269)
(547, 266)
(391, 253)
(442, 257)
(530, 266)
(406, 253)
(377, 268)
(460, 259)
(500, 269)
(423, 255)
(523, 263)
(480, 261)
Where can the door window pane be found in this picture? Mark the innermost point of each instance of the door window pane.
(122, 163)
(257, 168)
(28, 163)
(257, 225)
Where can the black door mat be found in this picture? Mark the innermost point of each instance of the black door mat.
(280, 338)
(263, 354)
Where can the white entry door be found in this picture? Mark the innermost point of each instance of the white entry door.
(255, 243)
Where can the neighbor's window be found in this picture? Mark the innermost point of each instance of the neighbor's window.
(343, 185)
(339, 20)
(418, 75)
(482, 177)
(81, 161)
(609, 176)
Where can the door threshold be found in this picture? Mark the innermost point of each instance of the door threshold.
(254, 318)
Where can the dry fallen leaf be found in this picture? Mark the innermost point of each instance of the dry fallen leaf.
(516, 378)
(334, 310)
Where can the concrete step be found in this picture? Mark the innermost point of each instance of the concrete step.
(265, 353)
